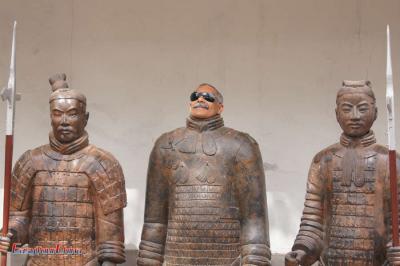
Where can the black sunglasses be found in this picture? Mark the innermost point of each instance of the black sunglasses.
(209, 97)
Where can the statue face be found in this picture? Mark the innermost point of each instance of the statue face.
(68, 119)
(203, 109)
(356, 112)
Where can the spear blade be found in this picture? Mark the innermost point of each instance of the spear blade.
(9, 93)
(390, 95)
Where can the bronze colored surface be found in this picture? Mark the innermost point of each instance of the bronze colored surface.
(69, 192)
(347, 217)
(205, 196)
(7, 187)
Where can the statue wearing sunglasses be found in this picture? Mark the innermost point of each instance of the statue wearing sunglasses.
(206, 198)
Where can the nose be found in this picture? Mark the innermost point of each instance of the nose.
(64, 120)
(355, 115)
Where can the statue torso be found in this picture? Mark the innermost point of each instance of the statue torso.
(62, 208)
(355, 207)
(203, 226)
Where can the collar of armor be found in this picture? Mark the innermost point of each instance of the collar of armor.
(365, 141)
(201, 125)
(69, 148)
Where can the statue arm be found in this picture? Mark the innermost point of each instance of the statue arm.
(250, 186)
(310, 236)
(109, 183)
(110, 237)
(151, 248)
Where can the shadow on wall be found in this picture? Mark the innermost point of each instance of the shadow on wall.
(284, 211)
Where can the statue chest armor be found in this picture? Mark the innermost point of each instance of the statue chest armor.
(203, 226)
(351, 233)
(63, 214)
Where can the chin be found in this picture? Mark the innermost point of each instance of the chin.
(65, 139)
(356, 134)
(200, 115)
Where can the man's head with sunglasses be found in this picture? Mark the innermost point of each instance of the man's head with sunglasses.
(205, 102)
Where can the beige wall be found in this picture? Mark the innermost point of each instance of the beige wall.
(278, 63)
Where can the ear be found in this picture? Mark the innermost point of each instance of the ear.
(337, 114)
(86, 118)
(376, 113)
(221, 108)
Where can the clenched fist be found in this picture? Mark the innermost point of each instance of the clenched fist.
(5, 242)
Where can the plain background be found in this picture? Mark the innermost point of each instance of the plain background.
(278, 63)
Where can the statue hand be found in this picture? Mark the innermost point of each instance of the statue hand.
(393, 256)
(295, 258)
(5, 242)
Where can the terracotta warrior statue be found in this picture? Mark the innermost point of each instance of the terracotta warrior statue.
(347, 219)
(206, 197)
(68, 193)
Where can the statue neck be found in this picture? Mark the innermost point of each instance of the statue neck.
(201, 125)
(71, 147)
(364, 141)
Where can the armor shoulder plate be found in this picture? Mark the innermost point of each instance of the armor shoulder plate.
(21, 177)
(246, 138)
(326, 153)
(248, 149)
(165, 141)
(108, 179)
(169, 139)
(381, 149)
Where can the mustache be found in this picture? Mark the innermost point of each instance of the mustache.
(200, 105)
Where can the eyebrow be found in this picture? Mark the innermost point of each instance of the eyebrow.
(347, 103)
(358, 104)
(70, 109)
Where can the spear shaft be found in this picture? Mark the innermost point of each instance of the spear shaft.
(392, 144)
(9, 94)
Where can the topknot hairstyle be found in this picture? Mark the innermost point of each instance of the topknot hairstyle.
(356, 86)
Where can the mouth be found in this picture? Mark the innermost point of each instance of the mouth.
(355, 125)
(64, 131)
(200, 105)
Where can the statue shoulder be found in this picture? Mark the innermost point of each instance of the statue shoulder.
(383, 151)
(380, 149)
(30, 160)
(168, 139)
(247, 146)
(326, 154)
(107, 178)
(23, 172)
(103, 157)
(245, 138)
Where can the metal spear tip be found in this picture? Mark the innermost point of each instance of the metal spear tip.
(5, 94)
(389, 107)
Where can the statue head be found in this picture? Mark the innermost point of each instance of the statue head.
(355, 108)
(205, 102)
(67, 110)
